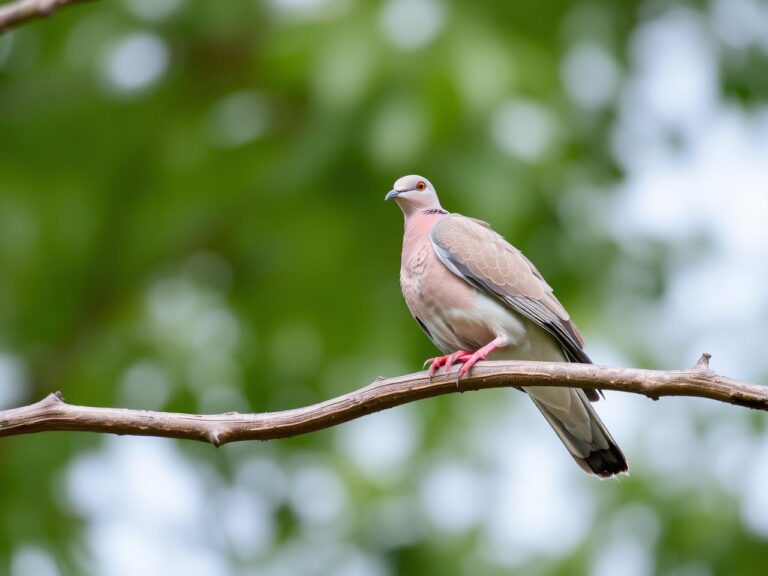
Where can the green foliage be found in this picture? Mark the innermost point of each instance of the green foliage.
(215, 239)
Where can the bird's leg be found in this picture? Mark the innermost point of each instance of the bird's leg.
(447, 361)
(481, 354)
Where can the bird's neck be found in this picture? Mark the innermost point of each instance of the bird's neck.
(418, 225)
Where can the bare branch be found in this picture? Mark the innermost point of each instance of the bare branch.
(16, 13)
(53, 414)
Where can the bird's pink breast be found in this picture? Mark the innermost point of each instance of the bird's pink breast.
(441, 300)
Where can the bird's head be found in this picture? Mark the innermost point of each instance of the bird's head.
(414, 194)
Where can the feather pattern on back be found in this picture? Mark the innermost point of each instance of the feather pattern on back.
(482, 257)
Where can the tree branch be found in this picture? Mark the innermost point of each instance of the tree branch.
(53, 414)
(16, 13)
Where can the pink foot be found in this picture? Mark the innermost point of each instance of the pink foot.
(447, 361)
(481, 354)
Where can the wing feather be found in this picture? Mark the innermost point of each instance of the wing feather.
(484, 259)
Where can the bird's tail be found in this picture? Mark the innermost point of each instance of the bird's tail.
(579, 427)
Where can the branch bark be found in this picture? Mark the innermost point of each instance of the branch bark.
(16, 13)
(53, 414)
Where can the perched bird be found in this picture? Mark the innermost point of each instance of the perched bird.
(477, 297)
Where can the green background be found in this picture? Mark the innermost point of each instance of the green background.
(192, 219)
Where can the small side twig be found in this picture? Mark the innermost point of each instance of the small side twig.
(16, 13)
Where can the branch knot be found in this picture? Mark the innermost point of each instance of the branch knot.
(703, 362)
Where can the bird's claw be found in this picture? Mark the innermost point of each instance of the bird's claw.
(468, 362)
(447, 361)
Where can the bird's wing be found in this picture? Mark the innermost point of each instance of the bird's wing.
(484, 259)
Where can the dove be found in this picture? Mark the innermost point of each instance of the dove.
(477, 297)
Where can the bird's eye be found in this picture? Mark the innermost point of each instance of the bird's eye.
(421, 186)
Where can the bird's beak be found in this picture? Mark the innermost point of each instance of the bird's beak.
(391, 194)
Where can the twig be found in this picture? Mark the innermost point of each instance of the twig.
(53, 414)
(16, 13)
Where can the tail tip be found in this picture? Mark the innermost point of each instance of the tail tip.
(605, 463)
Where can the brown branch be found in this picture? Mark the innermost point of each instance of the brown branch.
(16, 13)
(53, 414)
